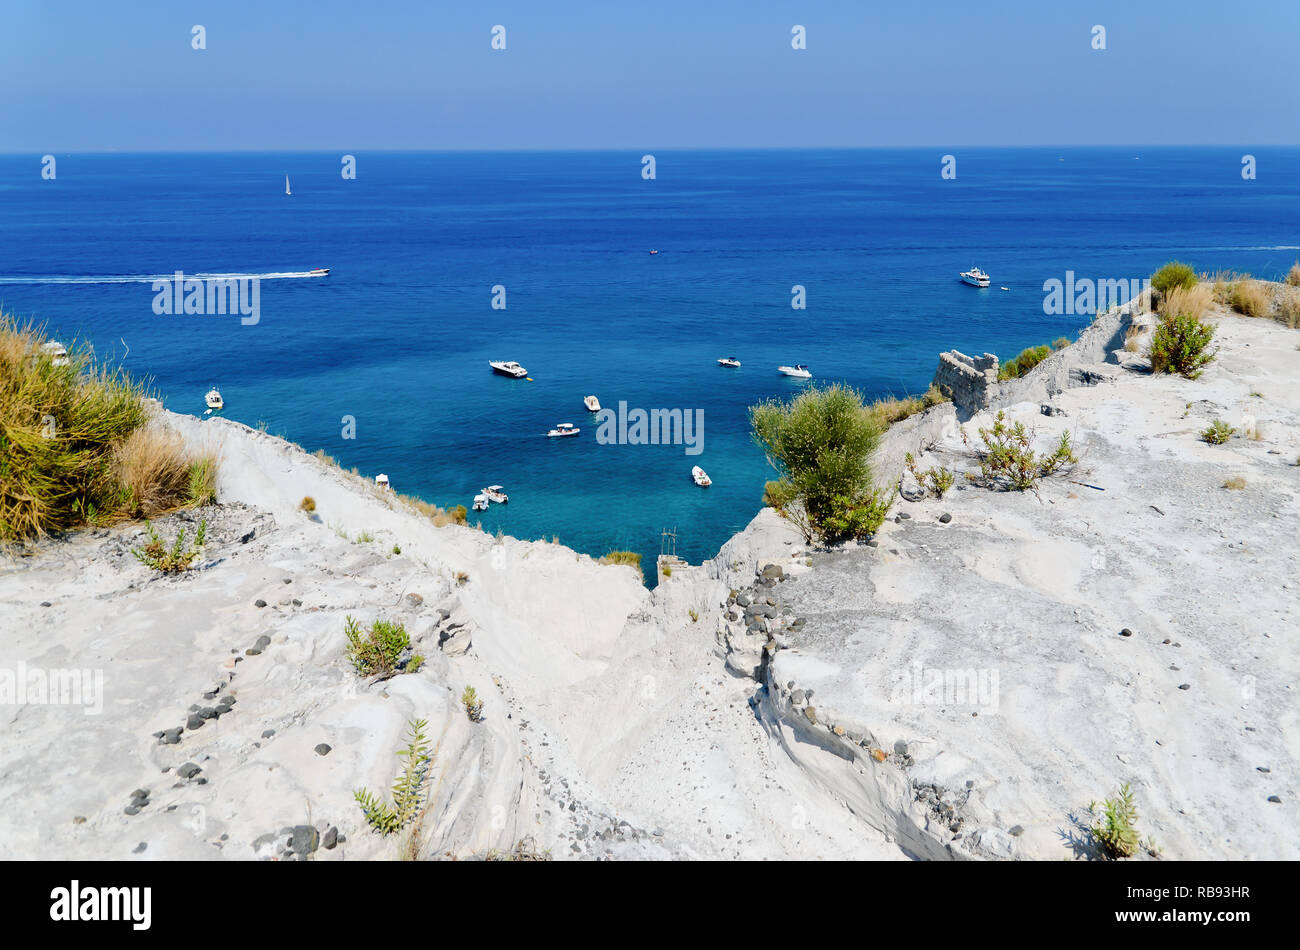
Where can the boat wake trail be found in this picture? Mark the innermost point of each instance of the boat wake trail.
(151, 278)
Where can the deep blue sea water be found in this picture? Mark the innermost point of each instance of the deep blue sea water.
(400, 333)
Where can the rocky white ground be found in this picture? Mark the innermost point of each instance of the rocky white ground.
(625, 724)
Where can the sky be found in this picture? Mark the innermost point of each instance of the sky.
(349, 75)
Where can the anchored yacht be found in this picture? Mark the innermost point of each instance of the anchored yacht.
(975, 277)
(508, 368)
(798, 371)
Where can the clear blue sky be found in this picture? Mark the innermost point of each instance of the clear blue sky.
(374, 74)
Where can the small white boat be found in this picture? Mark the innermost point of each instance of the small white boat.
(975, 277)
(592, 403)
(496, 493)
(319, 272)
(653, 251)
(508, 368)
(729, 361)
(798, 371)
(480, 502)
(381, 480)
(1006, 288)
(701, 477)
(213, 399)
(286, 185)
(563, 429)
(57, 351)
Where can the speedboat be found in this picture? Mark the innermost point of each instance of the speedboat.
(319, 272)
(563, 429)
(592, 403)
(213, 399)
(495, 493)
(653, 251)
(975, 277)
(508, 368)
(1006, 288)
(729, 361)
(57, 351)
(798, 371)
(701, 477)
(381, 481)
(480, 502)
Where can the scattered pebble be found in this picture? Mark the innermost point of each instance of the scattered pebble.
(323, 749)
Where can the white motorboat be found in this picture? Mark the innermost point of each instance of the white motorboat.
(592, 403)
(213, 399)
(286, 185)
(319, 272)
(381, 481)
(1006, 288)
(701, 477)
(729, 361)
(975, 277)
(563, 429)
(496, 493)
(508, 368)
(480, 502)
(57, 351)
(798, 371)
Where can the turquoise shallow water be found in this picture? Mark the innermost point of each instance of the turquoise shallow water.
(399, 335)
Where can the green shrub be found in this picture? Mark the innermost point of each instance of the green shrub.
(473, 705)
(1174, 274)
(821, 443)
(1218, 432)
(408, 789)
(1180, 344)
(378, 650)
(1116, 832)
(175, 559)
(1008, 461)
(1023, 362)
(936, 480)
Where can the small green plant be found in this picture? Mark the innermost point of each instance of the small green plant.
(1023, 362)
(1174, 274)
(473, 705)
(308, 504)
(1116, 832)
(859, 517)
(1180, 345)
(414, 663)
(379, 650)
(365, 537)
(397, 549)
(695, 615)
(668, 570)
(175, 559)
(1217, 432)
(408, 789)
(936, 480)
(1008, 461)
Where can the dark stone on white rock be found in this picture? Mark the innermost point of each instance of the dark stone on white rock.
(903, 516)
(797, 697)
(46, 603)
(170, 736)
(1126, 632)
(304, 839)
(267, 733)
(140, 793)
(259, 602)
(208, 712)
(900, 747)
(323, 749)
(1275, 800)
(139, 849)
(1184, 685)
(1262, 768)
(226, 701)
(331, 838)
(194, 722)
(945, 518)
(188, 770)
(245, 538)
(1016, 831)
(743, 599)
(297, 602)
(772, 571)
(262, 642)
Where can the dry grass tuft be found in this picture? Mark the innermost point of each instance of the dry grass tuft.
(1236, 483)
(1194, 301)
(1251, 298)
(887, 411)
(157, 474)
(1293, 275)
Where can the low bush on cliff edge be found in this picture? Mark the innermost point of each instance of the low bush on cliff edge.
(76, 447)
(1008, 460)
(821, 443)
(1174, 274)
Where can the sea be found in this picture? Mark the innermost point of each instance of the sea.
(846, 261)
